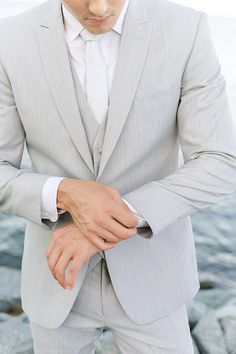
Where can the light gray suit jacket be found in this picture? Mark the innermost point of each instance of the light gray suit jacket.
(169, 149)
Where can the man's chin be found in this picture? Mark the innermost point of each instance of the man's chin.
(99, 28)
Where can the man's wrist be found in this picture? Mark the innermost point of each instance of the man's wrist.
(63, 195)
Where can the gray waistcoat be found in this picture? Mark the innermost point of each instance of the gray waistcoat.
(95, 133)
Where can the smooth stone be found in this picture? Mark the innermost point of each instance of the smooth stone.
(106, 344)
(15, 336)
(208, 335)
(10, 290)
(11, 240)
(195, 310)
(4, 317)
(228, 310)
(5, 303)
(229, 328)
(215, 298)
(206, 285)
(196, 351)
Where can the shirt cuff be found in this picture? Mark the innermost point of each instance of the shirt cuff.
(142, 222)
(49, 208)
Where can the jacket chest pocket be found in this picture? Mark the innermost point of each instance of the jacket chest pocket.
(156, 99)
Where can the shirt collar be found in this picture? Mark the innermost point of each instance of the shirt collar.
(73, 26)
(118, 26)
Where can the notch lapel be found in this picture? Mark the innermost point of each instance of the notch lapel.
(132, 53)
(55, 59)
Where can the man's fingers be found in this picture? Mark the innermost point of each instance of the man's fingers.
(105, 233)
(74, 268)
(52, 243)
(61, 266)
(125, 217)
(50, 248)
(57, 233)
(106, 245)
(115, 228)
(100, 243)
(53, 259)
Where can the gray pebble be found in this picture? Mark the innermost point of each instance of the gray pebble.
(229, 328)
(215, 298)
(15, 336)
(196, 351)
(10, 290)
(208, 335)
(106, 344)
(195, 310)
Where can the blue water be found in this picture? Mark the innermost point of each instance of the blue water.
(215, 227)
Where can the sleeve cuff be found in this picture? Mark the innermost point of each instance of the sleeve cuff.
(142, 221)
(49, 208)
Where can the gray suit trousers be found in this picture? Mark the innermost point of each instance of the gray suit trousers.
(97, 307)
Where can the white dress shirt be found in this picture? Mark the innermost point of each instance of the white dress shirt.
(109, 46)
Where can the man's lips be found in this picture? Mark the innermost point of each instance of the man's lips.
(97, 21)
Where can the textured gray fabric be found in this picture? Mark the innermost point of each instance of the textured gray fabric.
(96, 307)
(95, 132)
(169, 148)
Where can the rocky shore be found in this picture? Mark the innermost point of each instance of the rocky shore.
(212, 314)
(212, 319)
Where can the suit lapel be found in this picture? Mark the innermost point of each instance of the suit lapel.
(55, 59)
(132, 52)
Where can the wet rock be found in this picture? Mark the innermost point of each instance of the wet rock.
(228, 310)
(10, 290)
(11, 240)
(5, 304)
(106, 344)
(215, 298)
(209, 336)
(4, 317)
(195, 310)
(228, 325)
(206, 284)
(15, 336)
(196, 351)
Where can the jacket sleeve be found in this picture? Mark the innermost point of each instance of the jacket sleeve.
(207, 139)
(20, 190)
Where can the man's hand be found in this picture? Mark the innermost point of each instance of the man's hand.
(68, 244)
(97, 210)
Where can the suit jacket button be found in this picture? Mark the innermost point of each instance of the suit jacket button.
(100, 150)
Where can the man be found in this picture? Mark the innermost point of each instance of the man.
(125, 116)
